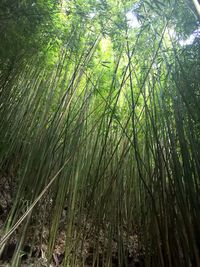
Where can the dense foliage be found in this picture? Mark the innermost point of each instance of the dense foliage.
(100, 119)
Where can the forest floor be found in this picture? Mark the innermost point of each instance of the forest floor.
(35, 251)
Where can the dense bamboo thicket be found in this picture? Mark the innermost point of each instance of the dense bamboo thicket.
(100, 131)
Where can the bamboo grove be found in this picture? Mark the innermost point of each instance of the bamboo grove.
(100, 119)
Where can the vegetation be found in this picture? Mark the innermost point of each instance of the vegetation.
(100, 131)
